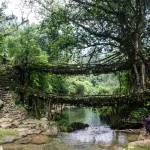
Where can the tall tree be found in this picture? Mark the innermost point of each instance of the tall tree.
(8, 26)
(119, 27)
(57, 37)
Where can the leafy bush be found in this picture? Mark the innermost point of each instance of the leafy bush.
(138, 115)
(105, 114)
(62, 122)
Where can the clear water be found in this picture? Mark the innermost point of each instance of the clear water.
(97, 133)
(98, 136)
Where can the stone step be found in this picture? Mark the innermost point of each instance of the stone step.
(5, 125)
(10, 115)
(6, 96)
(5, 93)
(31, 126)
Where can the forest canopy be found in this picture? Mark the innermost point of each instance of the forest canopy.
(106, 32)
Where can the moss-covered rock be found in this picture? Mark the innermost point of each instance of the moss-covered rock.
(8, 135)
(77, 126)
(8, 132)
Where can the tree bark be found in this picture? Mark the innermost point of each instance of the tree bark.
(138, 64)
(48, 113)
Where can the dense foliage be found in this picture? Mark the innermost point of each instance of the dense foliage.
(93, 32)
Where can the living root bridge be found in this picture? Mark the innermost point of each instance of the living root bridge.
(134, 99)
(76, 69)
(97, 100)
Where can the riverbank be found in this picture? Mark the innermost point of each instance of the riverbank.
(139, 145)
(143, 143)
(42, 134)
(44, 142)
(11, 140)
(32, 126)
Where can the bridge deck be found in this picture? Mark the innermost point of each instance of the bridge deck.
(90, 100)
(77, 69)
(86, 100)
(98, 100)
(93, 100)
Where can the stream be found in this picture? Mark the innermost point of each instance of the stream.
(98, 136)
(96, 133)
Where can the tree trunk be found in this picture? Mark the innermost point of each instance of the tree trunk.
(138, 65)
(120, 85)
(22, 85)
(143, 76)
(140, 84)
(48, 113)
(36, 110)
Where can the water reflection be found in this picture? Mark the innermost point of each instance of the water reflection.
(96, 133)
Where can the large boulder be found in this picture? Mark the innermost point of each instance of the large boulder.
(77, 126)
(48, 127)
(44, 124)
